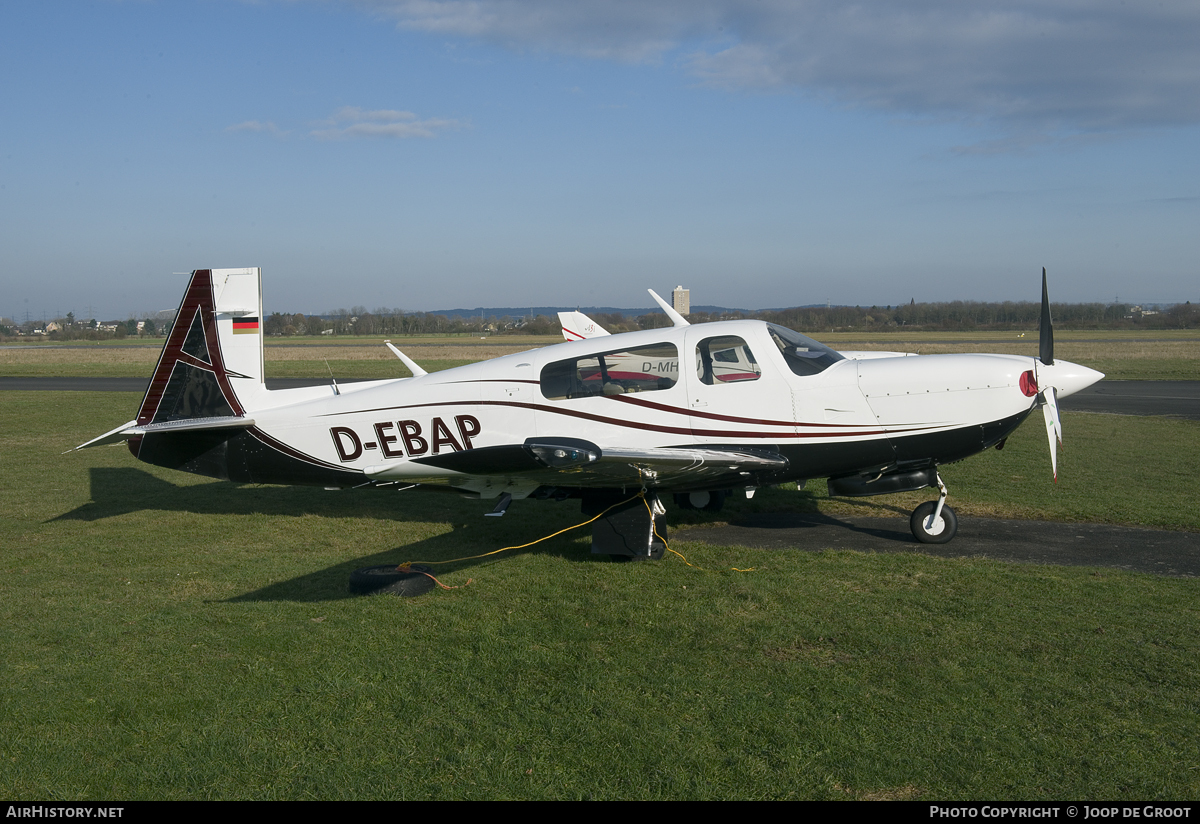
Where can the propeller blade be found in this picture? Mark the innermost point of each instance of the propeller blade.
(1053, 426)
(1046, 344)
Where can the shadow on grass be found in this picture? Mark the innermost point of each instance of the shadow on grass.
(122, 491)
(444, 552)
(471, 537)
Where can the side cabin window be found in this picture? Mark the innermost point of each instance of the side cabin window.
(726, 359)
(644, 369)
(803, 355)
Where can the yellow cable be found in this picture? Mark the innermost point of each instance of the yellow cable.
(407, 565)
(404, 567)
(667, 546)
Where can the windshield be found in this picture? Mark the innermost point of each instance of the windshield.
(804, 355)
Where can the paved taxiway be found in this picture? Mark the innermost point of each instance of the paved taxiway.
(1179, 399)
(1037, 542)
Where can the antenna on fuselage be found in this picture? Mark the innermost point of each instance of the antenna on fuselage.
(336, 391)
(409, 362)
(676, 318)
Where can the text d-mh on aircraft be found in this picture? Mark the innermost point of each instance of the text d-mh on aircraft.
(699, 411)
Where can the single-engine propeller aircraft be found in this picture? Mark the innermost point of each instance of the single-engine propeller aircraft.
(617, 421)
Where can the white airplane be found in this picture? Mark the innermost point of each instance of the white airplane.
(562, 422)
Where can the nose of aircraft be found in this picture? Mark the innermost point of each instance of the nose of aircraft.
(1067, 378)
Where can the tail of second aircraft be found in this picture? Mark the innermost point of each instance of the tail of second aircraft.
(578, 326)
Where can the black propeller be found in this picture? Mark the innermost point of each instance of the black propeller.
(1049, 395)
(1046, 348)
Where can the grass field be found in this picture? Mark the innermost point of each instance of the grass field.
(170, 637)
(1119, 355)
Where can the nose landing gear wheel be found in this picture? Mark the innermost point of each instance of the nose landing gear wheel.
(929, 531)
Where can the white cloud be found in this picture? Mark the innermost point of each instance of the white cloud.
(1042, 65)
(625, 31)
(351, 122)
(255, 126)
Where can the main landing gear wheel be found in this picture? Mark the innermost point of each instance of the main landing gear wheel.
(929, 531)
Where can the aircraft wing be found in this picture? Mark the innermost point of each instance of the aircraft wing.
(570, 462)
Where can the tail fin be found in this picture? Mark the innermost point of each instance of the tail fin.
(578, 326)
(212, 363)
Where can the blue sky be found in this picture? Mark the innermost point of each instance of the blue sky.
(422, 154)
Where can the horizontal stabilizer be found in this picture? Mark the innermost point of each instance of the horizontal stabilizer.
(132, 429)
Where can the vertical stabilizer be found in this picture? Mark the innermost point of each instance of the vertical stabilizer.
(212, 363)
(578, 326)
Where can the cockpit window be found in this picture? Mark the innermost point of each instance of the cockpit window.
(726, 359)
(804, 355)
(644, 369)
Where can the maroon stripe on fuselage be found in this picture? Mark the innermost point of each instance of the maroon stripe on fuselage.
(292, 452)
(662, 407)
(649, 427)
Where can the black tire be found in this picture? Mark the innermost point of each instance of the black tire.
(378, 580)
(942, 532)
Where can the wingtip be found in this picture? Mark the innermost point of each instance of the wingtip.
(677, 319)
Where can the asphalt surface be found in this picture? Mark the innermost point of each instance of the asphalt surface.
(1037, 542)
(1179, 399)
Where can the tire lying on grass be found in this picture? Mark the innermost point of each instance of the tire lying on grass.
(378, 580)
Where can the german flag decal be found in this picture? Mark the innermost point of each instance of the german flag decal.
(245, 326)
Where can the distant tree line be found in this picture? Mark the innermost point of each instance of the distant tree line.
(70, 328)
(951, 316)
(969, 316)
(384, 322)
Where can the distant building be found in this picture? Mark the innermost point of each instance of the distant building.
(681, 300)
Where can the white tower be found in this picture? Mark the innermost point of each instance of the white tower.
(681, 300)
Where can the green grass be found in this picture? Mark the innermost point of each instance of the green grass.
(315, 369)
(897, 333)
(1118, 469)
(170, 637)
(355, 369)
